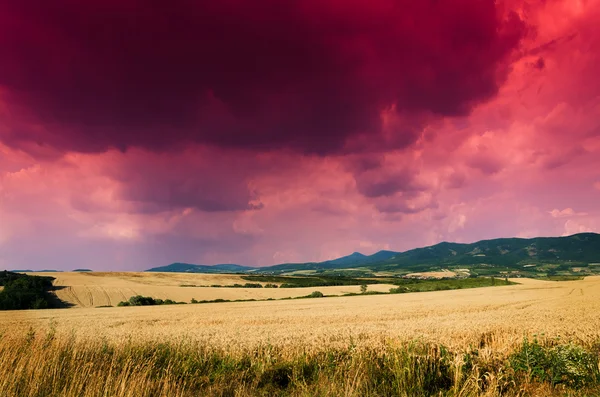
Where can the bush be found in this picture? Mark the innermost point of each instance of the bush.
(564, 364)
(22, 291)
(316, 294)
(253, 285)
(140, 300)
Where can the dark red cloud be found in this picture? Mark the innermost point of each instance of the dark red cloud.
(207, 192)
(206, 179)
(539, 64)
(301, 74)
(380, 182)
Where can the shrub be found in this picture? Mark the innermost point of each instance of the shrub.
(316, 294)
(22, 291)
(564, 364)
(253, 285)
(140, 300)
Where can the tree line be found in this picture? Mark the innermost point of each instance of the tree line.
(22, 291)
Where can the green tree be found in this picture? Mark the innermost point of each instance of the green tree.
(363, 288)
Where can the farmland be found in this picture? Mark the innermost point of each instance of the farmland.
(566, 309)
(108, 289)
(240, 344)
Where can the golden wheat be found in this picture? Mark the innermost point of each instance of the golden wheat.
(455, 318)
(93, 289)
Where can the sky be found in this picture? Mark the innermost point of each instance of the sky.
(133, 135)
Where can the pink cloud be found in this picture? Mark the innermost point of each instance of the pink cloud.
(517, 156)
(567, 212)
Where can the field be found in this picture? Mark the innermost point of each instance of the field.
(455, 318)
(249, 340)
(95, 289)
(440, 274)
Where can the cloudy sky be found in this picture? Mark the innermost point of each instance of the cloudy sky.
(134, 135)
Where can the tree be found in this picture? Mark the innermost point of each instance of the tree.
(363, 288)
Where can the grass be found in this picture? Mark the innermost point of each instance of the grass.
(246, 285)
(47, 365)
(314, 294)
(452, 343)
(564, 278)
(404, 286)
(313, 281)
(414, 285)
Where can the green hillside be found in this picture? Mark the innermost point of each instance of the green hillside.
(542, 254)
(537, 257)
(578, 254)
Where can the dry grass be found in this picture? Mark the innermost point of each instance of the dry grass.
(352, 346)
(455, 318)
(47, 365)
(93, 289)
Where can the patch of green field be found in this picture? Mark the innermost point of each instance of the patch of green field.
(314, 281)
(413, 285)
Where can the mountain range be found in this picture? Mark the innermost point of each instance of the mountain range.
(548, 253)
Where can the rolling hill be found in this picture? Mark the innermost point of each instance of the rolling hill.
(540, 255)
(189, 268)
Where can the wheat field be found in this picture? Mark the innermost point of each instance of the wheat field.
(93, 289)
(457, 318)
(471, 342)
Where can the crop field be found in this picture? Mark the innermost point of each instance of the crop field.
(455, 318)
(440, 274)
(504, 340)
(93, 289)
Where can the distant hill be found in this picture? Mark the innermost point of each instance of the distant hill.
(349, 260)
(355, 259)
(578, 249)
(36, 271)
(82, 270)
(358, 259)
(534, 256)
(189, 268)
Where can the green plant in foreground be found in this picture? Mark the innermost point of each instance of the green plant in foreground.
(97, 367)
(568, 364)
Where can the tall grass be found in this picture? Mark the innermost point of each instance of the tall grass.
(48, 364)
